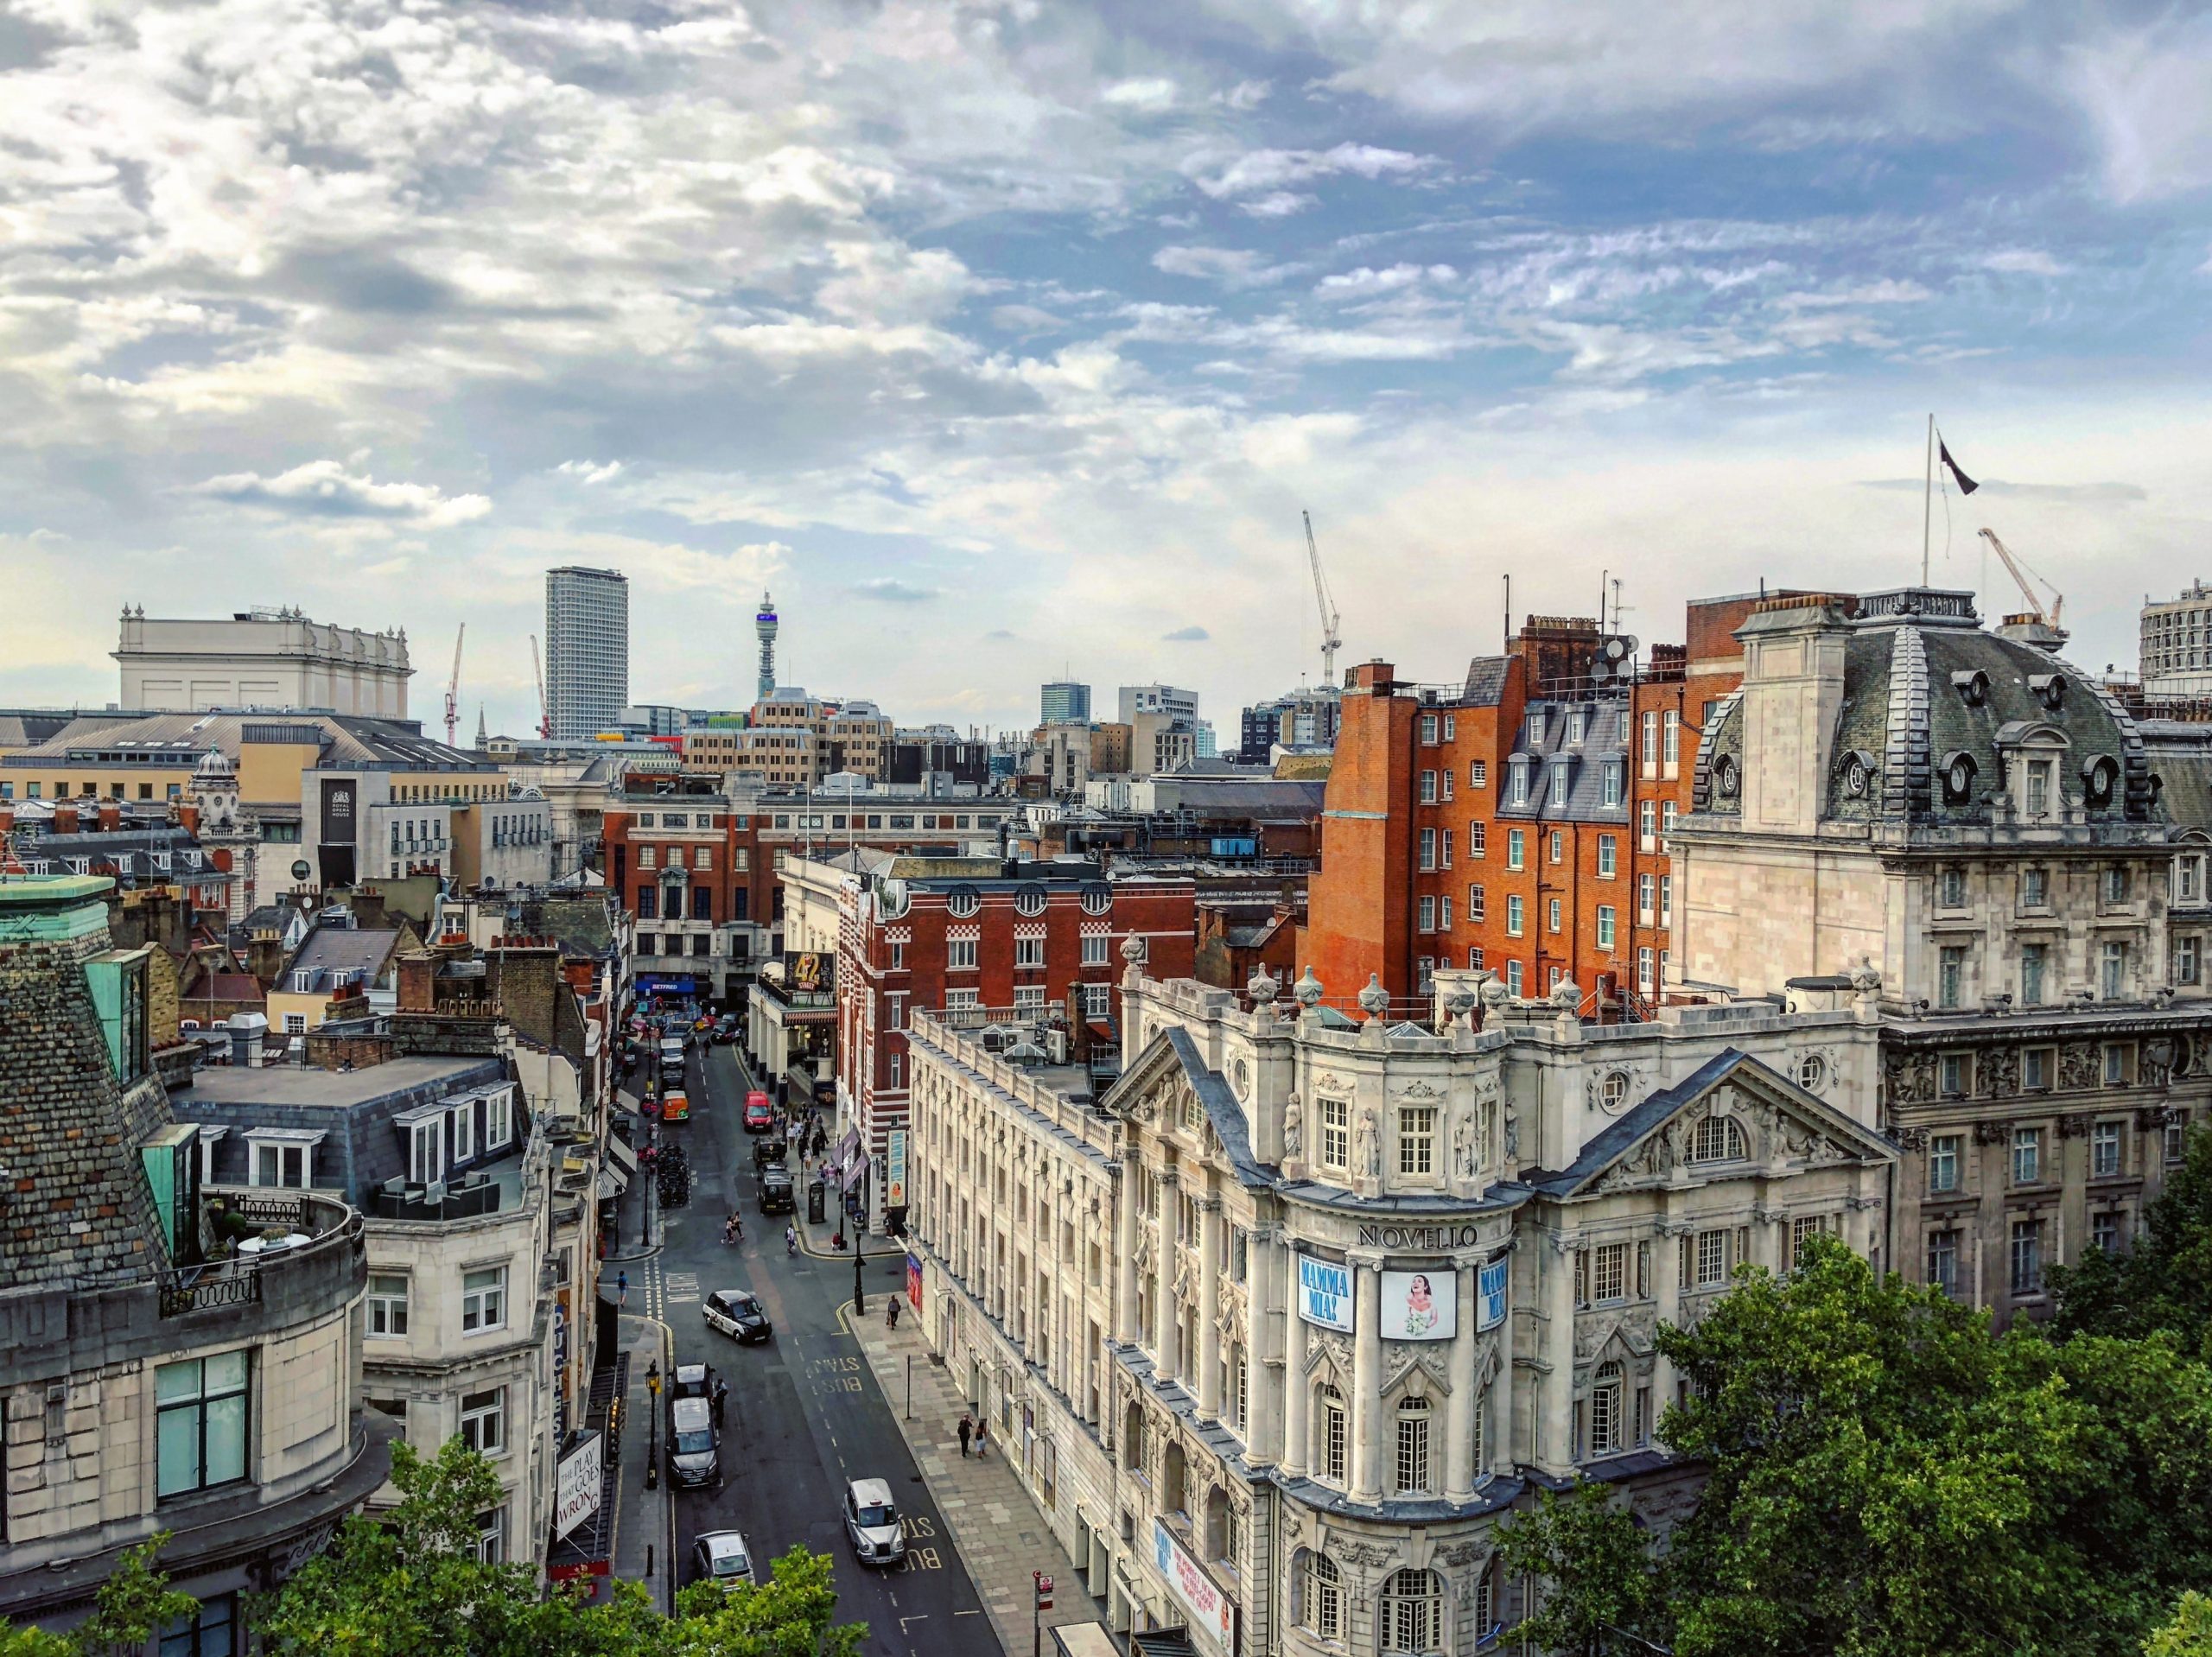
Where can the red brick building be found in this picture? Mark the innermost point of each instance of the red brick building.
(1023, 940)
(1517, 822)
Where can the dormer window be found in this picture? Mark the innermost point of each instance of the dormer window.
(2050, 689)
(1725, 777)
(1958, 775)
(1517, 788)
(1575, 719)
(1560, 777)
(2038, 801)
(2099, 778)
(1535, 727)
(1972, 686)
(1858, 774)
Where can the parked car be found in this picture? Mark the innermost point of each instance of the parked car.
(722, 1556)
(726, 1028)
(738, 1314)
(774, 1148)
(694, 1446)
(759, 1117)
(690, 1380)
(872, 1522)
(776, 1189)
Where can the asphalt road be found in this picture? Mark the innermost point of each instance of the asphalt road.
(805, 1412)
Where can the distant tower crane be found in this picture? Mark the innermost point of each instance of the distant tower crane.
(1330, 638)
(545, 716)
(2048, 617)
(453, 688)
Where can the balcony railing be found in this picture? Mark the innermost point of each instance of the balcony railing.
(278, 1271)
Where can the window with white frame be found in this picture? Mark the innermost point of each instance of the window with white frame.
(1516, 848)
(1608, 856)
(1428, 788)
(1413, 1446)
(1097, 947)
(1476, 909)
(1477, 837)
(1335, 1441)
(1428, 914)
(483, 1300)
(499, 1119)
(1610, 781)
(1647, 892)
(1513, 979)
(1444, 913)
(1605, 926)
(1029, 999)
(1647, 825)
(387, 1305)
(1644, 985)
(1517, 787)
(1428, 849)
(960, 1000)
(1559, 779)
(960, 954)
(282, 1157)
(1447, 856)
(483, 1421)
(1412, 1613)
(2104, 1150)
(1324, 1610)
(1650, 744)
(1336, 1133)
(464, 1130)
(1478, 773)
(1605, 1410)
(1417, 1139)
(1095, 1003)
(1673, 747)
(492, 1536)
(1029, 952)
(1513, 914)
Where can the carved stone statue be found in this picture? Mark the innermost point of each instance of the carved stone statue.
(1370, 1145)
(1462, 1147)
(1292, 1116)
(1512, 1132)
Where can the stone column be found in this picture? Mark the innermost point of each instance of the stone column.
(1297, 1396)
(1125, 1241)
(1263, 1427)
(1460, 1472)
(1210, 1224)
(1667, 1293)
(1556, 1420)
(1163, 1255)
(1366, 1400)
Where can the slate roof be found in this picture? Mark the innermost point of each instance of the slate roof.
(1485, 682)
(362, 950)
(128, 854)
(346, 741)
(1601, 744)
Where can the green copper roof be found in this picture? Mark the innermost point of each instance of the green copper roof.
(52, 906)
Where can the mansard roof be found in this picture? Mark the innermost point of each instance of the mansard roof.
(1172, 1049)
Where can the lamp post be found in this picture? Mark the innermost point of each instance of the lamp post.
(652, 1426)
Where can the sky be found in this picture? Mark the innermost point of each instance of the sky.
(1003, 339)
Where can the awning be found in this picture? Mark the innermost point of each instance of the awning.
(612, 1182)
(622, 1157)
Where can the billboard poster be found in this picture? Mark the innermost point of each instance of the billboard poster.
(1490, 1292)
(812, 971)
(1324, 1293)
(1209, 1611)
(914, 1282)
(579, 1482)
(1421, 1305)
(894, 1183)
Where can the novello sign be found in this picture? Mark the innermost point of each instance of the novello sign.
(1429, 1239)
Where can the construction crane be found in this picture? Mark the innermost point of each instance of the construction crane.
(1331, 639)
(2020, 573)
(453, 688)
(544, 716)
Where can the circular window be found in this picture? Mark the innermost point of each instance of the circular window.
(1097, 897)
(1958, 778)
(1029, 898)
(2098, 779)
(1724, 776)
(962, 901)
(1856, 778)
(1612, 1092)
(1240, 1078)
(1812, 1072)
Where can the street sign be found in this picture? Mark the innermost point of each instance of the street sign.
(1044, 1592)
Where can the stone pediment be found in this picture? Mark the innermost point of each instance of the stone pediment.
(1773, 1120)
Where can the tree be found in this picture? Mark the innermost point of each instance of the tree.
(133, 1605)
(789, 1615)
(1600, 1578)
(2164, 1280)
(2188, 1633)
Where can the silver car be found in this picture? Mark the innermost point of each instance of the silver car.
(879, 1537)
(722, 1556)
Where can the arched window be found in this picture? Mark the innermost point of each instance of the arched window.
(1718, 1140)
(1413, 1446)
(1329, 1423)
(1412, 1613)
(1217, 1536)
(1175, 1492)
(1133, 1439)
(1605, 1410)
(1322, 1585)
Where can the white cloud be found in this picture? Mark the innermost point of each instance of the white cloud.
(2023, 262)
(326, 489)
(1271, 170)
(590, 471)
(2141, 91)
(1277, 204)
(1233, 268)
(1152, 95)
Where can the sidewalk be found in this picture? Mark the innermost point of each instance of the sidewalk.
(1001, 1535)
(645, 1520)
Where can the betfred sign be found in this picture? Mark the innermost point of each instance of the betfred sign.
(1044, 1592)
(577, 1490)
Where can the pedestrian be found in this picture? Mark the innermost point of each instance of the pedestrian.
(720, 1397)
(622, 1288)
(891, 1312)
(967, 1431)
(982, 1437)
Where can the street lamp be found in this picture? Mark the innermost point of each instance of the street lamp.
(652, 1426)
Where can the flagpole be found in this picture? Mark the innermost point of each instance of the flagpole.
(1927, 499)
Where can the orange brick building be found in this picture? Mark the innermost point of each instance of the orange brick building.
(1516, 821)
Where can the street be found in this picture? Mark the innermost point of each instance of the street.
(805, 1412)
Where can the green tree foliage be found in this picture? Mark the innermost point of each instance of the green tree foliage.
(134, 1605)
(408, 1582)
(2164, 1280)
(2188, 1633)
(1887, 1477)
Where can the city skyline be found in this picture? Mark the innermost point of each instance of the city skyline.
(1040, 359)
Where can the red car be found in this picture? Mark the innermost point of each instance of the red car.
(758, 1117)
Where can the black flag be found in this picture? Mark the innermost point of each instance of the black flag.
(1967, 486)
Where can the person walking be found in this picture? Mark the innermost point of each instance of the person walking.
(982, 1437)
(720, 1397)
(622, 1288)
(891, 1312)
(967, 1431)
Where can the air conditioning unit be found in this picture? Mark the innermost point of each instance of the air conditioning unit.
(1056, 1046)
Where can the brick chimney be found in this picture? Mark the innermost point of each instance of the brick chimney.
(111, 816)
(65, 819)
(264, 954)
(187, 816)
(523, 974)
(418, 978)
(369, 913)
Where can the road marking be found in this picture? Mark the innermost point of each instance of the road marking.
(682, 1286)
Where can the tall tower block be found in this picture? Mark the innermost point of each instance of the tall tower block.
(765, 624)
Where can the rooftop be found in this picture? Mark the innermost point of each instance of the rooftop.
(294, 1084)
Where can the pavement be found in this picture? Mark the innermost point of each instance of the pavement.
(807, 1410)
(644, 1520)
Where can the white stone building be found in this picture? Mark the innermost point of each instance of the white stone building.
(264, 659)
(1279, 1330)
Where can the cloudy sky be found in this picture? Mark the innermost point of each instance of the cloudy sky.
(1001, 337)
